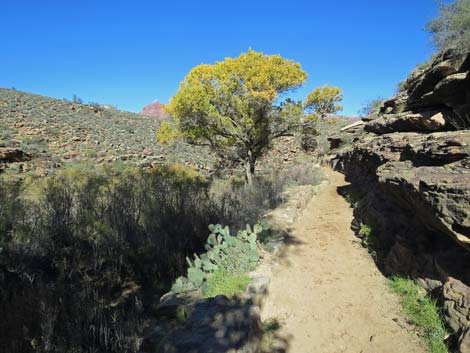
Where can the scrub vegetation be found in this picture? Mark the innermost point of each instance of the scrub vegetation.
(83, 251)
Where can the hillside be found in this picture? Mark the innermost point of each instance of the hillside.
(52, 133)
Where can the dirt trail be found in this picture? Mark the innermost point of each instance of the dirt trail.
(327, 292)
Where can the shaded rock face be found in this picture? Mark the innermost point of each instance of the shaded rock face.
(12, 155)
(413, 169)
(188, 324)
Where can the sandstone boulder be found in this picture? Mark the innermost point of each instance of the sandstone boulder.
(408, 122)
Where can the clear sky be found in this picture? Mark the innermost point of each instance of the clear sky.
(129, 53)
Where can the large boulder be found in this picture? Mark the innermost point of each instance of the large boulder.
(405, 122)
(453, 91)
(423, 81)
(438, 195)
(435, 97)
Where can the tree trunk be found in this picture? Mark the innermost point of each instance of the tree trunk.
(248, 173)
(249, 170)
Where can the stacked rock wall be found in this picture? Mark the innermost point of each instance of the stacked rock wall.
(412, 163)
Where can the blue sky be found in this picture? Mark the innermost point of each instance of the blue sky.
(129, 53)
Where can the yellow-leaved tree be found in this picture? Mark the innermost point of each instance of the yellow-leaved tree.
(233, 106)
(167, 133)
(323, 101)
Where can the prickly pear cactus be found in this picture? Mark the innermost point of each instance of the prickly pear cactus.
(233, 254)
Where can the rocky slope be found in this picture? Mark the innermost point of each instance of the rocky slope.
(43, 134)
(39, 135)
(411, 164)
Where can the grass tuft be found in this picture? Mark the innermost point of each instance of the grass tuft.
(230, 285)
(423, 313)
(353, 197)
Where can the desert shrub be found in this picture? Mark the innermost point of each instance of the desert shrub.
(34, 145)
(77, 99)
(460, 121)
(240, 204)
(308, 138)
(372, 107)
(94, 104)
(452, 28)
(167, 133)
(76, 248)
(6, 133)
(81, 250)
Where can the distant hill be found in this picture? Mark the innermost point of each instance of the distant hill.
(53, 133)
(156, 110)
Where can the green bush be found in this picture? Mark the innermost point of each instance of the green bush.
(167, 133)
(371, 240)
(308, 138)
(353, 197)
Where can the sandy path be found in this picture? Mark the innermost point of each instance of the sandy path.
(327, 292)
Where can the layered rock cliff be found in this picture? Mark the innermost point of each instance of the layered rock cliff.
(411, 165)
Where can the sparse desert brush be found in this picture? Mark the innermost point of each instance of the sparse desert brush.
(72, 242)
(71, 133)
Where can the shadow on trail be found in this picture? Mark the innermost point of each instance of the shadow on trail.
(214, 325)
(281, 244)
(272, 340)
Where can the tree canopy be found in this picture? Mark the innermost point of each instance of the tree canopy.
(167, 133)
(233, 105)
(452, 28)
(324, 100)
